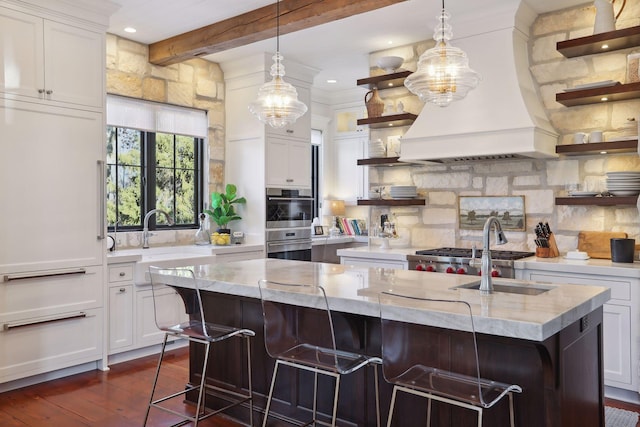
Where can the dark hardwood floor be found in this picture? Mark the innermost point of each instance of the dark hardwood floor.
(117, 398)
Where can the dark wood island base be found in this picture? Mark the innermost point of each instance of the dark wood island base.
(561, 377)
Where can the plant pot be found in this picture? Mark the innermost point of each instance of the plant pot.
(222, 237)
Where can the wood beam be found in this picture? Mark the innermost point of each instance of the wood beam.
(257, 25)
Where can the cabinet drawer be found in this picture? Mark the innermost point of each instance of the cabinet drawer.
(121, 273)
(620, 289)
(45, 344)
(50, 295)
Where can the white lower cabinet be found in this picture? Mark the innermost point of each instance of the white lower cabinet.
(120, 317)
(50, 322)
(621, 322)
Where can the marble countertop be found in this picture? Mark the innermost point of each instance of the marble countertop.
(332, 240)
(355, 290)
(591, 266)
(376, 252)
(194, 252)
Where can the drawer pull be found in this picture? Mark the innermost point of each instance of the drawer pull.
(122, 274)
(8, 326)
(122, 290)
(9, 277)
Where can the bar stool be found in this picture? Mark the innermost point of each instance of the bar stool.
(409, 372)
(183, 317)
(317, 352)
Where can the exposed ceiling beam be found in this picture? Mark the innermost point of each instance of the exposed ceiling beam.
(257, 25)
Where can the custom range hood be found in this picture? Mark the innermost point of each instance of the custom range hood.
(502, 118)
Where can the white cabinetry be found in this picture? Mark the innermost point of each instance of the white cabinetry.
(621, 321)
(52, 261)
(288, 163)
(350, 180)
(49, 60)
(374, 263)
(120, 307)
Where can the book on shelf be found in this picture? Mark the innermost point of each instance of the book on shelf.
(352, 226)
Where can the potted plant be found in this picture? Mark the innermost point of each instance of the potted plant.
(222, 211)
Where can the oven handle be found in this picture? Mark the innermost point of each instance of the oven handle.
(289, 245)
(290, 198)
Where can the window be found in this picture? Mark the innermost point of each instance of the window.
(147, 170)
(155, 158)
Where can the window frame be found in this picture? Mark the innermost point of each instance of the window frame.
(148, 180)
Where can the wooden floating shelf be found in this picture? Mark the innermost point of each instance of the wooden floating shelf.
(618, 39)
(613, 147)
(404, 119)
(391, 202)
(619, 92)
(385, 81)
(381, 161)
(597, 201)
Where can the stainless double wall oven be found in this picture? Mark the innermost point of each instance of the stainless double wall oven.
(289, 216)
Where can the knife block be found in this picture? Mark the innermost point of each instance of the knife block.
(551, 251)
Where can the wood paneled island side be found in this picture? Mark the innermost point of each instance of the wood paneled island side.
(550, 343)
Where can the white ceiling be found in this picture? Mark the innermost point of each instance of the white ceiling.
(339, 49)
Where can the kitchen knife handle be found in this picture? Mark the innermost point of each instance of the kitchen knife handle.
(103, 200)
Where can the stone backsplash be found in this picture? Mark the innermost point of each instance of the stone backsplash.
(539, 181)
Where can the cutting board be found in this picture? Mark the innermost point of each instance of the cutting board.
(597, 243)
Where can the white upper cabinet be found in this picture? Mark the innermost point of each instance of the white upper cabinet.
(288, 163)
(50, 61)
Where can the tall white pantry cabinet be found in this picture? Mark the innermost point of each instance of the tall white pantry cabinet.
(52, 153)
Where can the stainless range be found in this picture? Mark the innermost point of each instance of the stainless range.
(458, 261)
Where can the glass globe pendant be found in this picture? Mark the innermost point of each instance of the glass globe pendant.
(277, 104)
(443, 73)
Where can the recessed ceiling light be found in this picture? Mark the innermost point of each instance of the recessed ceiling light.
(390, 42)
(130, 30)
(332, 81)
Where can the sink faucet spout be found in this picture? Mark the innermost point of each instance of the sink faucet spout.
(145, 225)
(486, 286)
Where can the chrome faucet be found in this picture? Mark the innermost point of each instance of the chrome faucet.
(486, 287)
(145, 229)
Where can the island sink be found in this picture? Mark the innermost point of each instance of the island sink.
(509, 288)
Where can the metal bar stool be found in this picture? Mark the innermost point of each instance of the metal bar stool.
(316, 353)
(409, 372)
(184, 318)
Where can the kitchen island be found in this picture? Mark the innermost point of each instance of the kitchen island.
(550, 344)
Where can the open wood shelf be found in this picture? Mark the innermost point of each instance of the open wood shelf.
(385, 81)
(391, 202)
(613, 147)
(619, 92)
(597, 201)
(404, 119)
(618, 39)
(382, 161)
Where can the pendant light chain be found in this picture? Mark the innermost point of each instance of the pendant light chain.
(277, 104)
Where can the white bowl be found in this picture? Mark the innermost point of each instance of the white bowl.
(390, 63)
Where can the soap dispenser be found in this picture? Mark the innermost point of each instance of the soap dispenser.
(202, 235)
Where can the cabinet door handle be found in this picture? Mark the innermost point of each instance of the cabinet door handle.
(49, 92)
(289, 130)
(9, 277)
(122, 273)
(289, 180)
(122, 290)
(40, 90)
(8, 326)
(103, 200)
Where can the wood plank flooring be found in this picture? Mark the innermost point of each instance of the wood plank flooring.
(117, 398)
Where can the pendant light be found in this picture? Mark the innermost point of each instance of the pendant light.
(277, 104)
(443, 73)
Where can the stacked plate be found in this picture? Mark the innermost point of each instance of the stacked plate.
(623, 183)
(403, 191)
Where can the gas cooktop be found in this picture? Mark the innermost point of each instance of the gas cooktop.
(466, 253)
